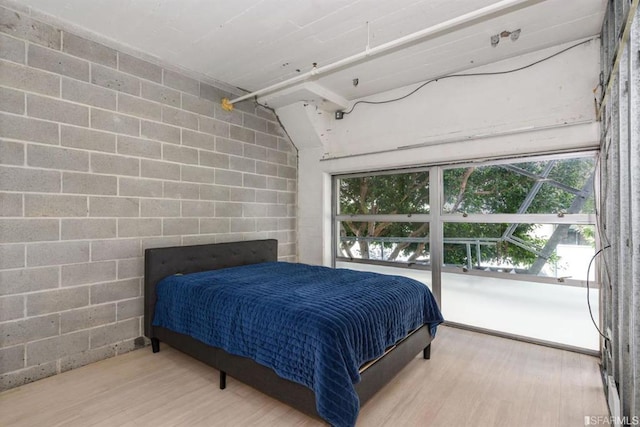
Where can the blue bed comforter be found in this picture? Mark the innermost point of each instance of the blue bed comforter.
(312, 325)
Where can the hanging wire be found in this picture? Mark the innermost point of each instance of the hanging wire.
(494, 73)
(588, 301)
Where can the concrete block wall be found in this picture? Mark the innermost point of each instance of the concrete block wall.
(102, 155)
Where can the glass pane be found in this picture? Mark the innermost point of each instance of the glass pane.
(552, 312)
(560, 251)
(574, 173)
(549, 186)
(405, 193)
(402, 242)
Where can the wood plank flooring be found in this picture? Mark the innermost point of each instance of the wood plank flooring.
(471, 379)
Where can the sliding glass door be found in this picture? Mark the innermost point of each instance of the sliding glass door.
(504, 245)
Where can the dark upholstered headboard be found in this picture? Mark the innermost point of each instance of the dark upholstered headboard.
(162, 262)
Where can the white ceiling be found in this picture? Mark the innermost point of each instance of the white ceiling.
(252, 44)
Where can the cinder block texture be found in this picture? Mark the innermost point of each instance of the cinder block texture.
(87, 317)
(159, 208)
(21, 281)
(115, 332)
(91, 272)
(179, 226)
(130, 308)
(178, 117)
(112, 79)
(12, 101)
(57, 253)
(54, 205)
(160, 170)
(113, 206)
(198, 140)
(115, 291)
(30, 329)
(86, 183)
(85, 228)
(28, 230)
(132, 267)
(181, 82)
(213, 93)
(12, 49)
(160, 93)
(115, 165)
(160, 132)
(23, 27)
(139, 147)
(129, 227)
(138, 67)
(102, 155)
(87, 49)
(113, 122)
(87, 139)
(57, 158)
(198, 105)
(11, 359)
(140, 187)
(11, 153)
(242, 134)
(10, 204)
(139, 107)
(54, 348)
(12, 256)
(30, 79)
(27, 129)
(58, 63)
(214, 160)
(11, 307)
(79, 360)
(89, 94)
(197, 209)
(114, 249)
(24, 376)
(180, 154)
(58, 111)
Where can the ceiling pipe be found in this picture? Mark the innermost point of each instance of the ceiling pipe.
(385, 47)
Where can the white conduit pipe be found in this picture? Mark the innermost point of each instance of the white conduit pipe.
(410, 38)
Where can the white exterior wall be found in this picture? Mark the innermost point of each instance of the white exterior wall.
(545, 108)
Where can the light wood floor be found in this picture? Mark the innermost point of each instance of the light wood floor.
(471, 379)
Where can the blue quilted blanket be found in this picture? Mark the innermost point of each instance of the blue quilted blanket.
(312, 325)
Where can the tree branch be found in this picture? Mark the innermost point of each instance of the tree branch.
(404, 245)
(463, 188)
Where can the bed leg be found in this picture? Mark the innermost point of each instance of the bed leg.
(223, 380)
(155, 345)
(426, 353)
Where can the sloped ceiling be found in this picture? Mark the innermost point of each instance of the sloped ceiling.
(252, 44)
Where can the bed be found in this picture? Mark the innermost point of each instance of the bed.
(251, 266)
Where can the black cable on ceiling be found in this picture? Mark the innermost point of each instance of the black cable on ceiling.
(494, 73)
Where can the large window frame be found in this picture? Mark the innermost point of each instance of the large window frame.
(393, 218)
(437, 219)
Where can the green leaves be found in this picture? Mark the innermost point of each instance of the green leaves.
(548, 186)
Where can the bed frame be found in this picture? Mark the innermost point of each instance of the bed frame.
(162, 262)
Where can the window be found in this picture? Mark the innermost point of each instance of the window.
(537, 187)
(560, 251)
(503, 245)
(532, 217)
(384, 217)
(518, 217)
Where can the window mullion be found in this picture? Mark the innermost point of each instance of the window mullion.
(585, 219)
(385, 218)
